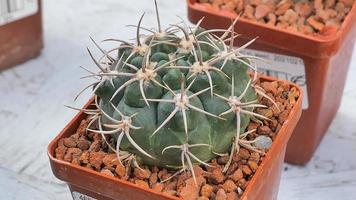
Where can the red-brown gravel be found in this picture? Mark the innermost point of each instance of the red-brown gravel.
(90, 150)
(310, 17)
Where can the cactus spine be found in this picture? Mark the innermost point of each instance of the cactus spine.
(175, 98)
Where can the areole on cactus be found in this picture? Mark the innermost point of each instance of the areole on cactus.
(175, 98)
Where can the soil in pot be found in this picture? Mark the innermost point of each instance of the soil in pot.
(306, 16)
(89, 150)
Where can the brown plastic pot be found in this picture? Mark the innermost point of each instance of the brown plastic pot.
(21, 40)
(89, 183)
(326, 59)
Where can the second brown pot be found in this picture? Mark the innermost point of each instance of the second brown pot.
(326, 60)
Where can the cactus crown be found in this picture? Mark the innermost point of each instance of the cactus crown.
(177, 97)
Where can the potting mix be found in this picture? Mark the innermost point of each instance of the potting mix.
(311, 17)
(91, 150)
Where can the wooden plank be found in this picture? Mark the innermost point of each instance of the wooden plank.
(15, 186)
(329, 186)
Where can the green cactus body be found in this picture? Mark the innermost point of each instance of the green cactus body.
(178, 98)
(216, 133)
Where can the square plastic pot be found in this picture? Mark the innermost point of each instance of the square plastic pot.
(21, 40)
(86, 184)
(326, 59)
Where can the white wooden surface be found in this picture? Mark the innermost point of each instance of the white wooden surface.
(33, 95)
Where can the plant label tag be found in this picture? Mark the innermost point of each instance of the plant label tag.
(282, 67)
(80, 196)
(12, 10)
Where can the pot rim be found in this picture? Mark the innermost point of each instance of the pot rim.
(281, 136)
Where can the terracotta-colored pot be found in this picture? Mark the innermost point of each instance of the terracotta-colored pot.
(21, 39)
(326, 59)
(89, 183)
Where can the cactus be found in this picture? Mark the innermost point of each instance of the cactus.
(177, 97)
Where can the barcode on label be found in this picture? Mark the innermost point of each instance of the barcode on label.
(12, 10)
(297, 79)
(80, 196)
(282, 67)
(9, 6)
